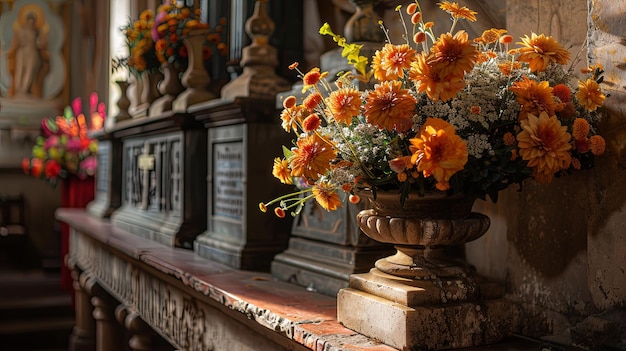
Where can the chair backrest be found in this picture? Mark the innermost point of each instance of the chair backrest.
(12, 215)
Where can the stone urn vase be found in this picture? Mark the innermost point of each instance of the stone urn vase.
(420, 229)
(433, 301)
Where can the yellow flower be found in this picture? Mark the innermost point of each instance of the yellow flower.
(590, 95)
(539, 51)
(438, 151)
(390, 107)
(545, 144)
(311, 159)
(326, 195)
(281, 171)
(390, 62)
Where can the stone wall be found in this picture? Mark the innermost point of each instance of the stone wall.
(561, 248)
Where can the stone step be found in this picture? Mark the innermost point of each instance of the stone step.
(36, 307)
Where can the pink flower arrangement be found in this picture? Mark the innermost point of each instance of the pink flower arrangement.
(65, 147)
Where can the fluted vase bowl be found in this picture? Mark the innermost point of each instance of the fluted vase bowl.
(421, 229)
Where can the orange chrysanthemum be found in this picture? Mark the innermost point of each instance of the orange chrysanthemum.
(390, 107)
(312, 101)
(590, 95)
(562, 92)
(580, 129)
(539, 51)
(438, 151)
(312, 77)
(508, 139)
(390, 62)
(430, 81)
(311, 123)
(545, 144)
(534, 97)
(312, 157)
(597, 145)
(344, 104)
(455, 53)
(326, 195)
(458, 12)
(281, 171)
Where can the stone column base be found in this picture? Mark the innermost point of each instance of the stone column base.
(425, 314)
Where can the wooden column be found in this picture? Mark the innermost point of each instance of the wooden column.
(143, 337)
(109, 334)
(83, 337)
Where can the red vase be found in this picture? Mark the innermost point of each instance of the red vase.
(75, 193)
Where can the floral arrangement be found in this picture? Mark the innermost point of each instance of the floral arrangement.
(443, 114)
(65, 147)
(142, 54)
(172, 24)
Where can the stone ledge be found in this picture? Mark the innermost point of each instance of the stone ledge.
(288, 314)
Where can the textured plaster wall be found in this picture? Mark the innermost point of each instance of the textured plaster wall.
(606, 246)
(561, 249)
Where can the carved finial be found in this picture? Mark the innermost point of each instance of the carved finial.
(260, 26)
(258, 80)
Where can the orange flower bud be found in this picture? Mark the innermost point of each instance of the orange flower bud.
(419, 37)
(506, 39)
(289, 102)
(354, 199)
(411, 8)
(279, 212)
(416, 18)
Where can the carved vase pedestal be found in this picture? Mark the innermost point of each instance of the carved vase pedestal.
(123, 103)
(196, 79)
(419, 298)
(170, 87)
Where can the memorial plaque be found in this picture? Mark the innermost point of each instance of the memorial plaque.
(228, 194)
(238, 233)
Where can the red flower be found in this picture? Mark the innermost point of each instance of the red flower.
(53, 168)
(36, 167)
(26, 165)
